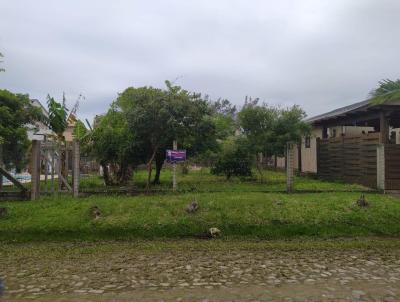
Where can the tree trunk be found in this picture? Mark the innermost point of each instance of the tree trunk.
(106, 175)
(123, 174)
(159, 164)
(259, 166)
(150, 167)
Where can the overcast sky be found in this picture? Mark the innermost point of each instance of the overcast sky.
(318, 54)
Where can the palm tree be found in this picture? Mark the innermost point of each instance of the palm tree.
(387, 91)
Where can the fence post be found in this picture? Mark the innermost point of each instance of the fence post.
(35, 173)
(289, 167)
(75, 168)
(380, 167)
(1, 166)
(174, 182)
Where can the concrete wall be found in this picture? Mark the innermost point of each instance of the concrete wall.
(309, 155)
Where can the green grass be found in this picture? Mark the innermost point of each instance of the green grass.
(249, 215)
(248, 209)
(203, 181)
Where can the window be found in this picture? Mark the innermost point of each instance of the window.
(307, 141)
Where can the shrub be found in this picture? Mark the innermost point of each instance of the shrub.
(235, 159)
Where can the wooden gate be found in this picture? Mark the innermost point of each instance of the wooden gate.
(51, 164)
(15, 192)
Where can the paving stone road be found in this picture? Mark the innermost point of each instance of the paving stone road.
(126, 274)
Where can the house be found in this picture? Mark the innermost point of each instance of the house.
(39, 130)
(343, 144)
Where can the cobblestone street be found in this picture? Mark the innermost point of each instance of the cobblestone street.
(123, 273)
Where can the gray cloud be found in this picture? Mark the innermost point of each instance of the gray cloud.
(319, 54)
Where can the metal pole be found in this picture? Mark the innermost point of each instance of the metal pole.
(174, 182)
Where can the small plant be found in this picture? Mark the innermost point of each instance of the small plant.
(362, 202)
(3, 212)
(192, 207)
(95, 212)
(234, 159)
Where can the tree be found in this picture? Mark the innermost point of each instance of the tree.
(235, 158)
(269, 128)
(156, 117)
(289, 127)
(223, 117)
(57, 120)
(112, 143)
(80, 130)
(387, 91)
(16, 112)
(258, 125)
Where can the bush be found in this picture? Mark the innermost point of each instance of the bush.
(235, 159)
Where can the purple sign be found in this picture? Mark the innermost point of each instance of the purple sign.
(176, 156)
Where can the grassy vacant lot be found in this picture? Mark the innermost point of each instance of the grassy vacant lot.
(241, 209)
(203, 181)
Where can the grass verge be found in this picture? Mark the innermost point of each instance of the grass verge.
(239, 215)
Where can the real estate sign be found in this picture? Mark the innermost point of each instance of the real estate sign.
(176, 156)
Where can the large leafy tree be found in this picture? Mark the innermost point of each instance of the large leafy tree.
(224, 118)
(16, 112)
(112, 143)
(156, 117)
(268, 128)
(258, 124)
(387, 90)
(289, 127)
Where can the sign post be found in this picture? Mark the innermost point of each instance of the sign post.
(174, 184)
(175, 156)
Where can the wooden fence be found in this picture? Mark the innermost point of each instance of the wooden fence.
(350, 159)
(392, 167)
